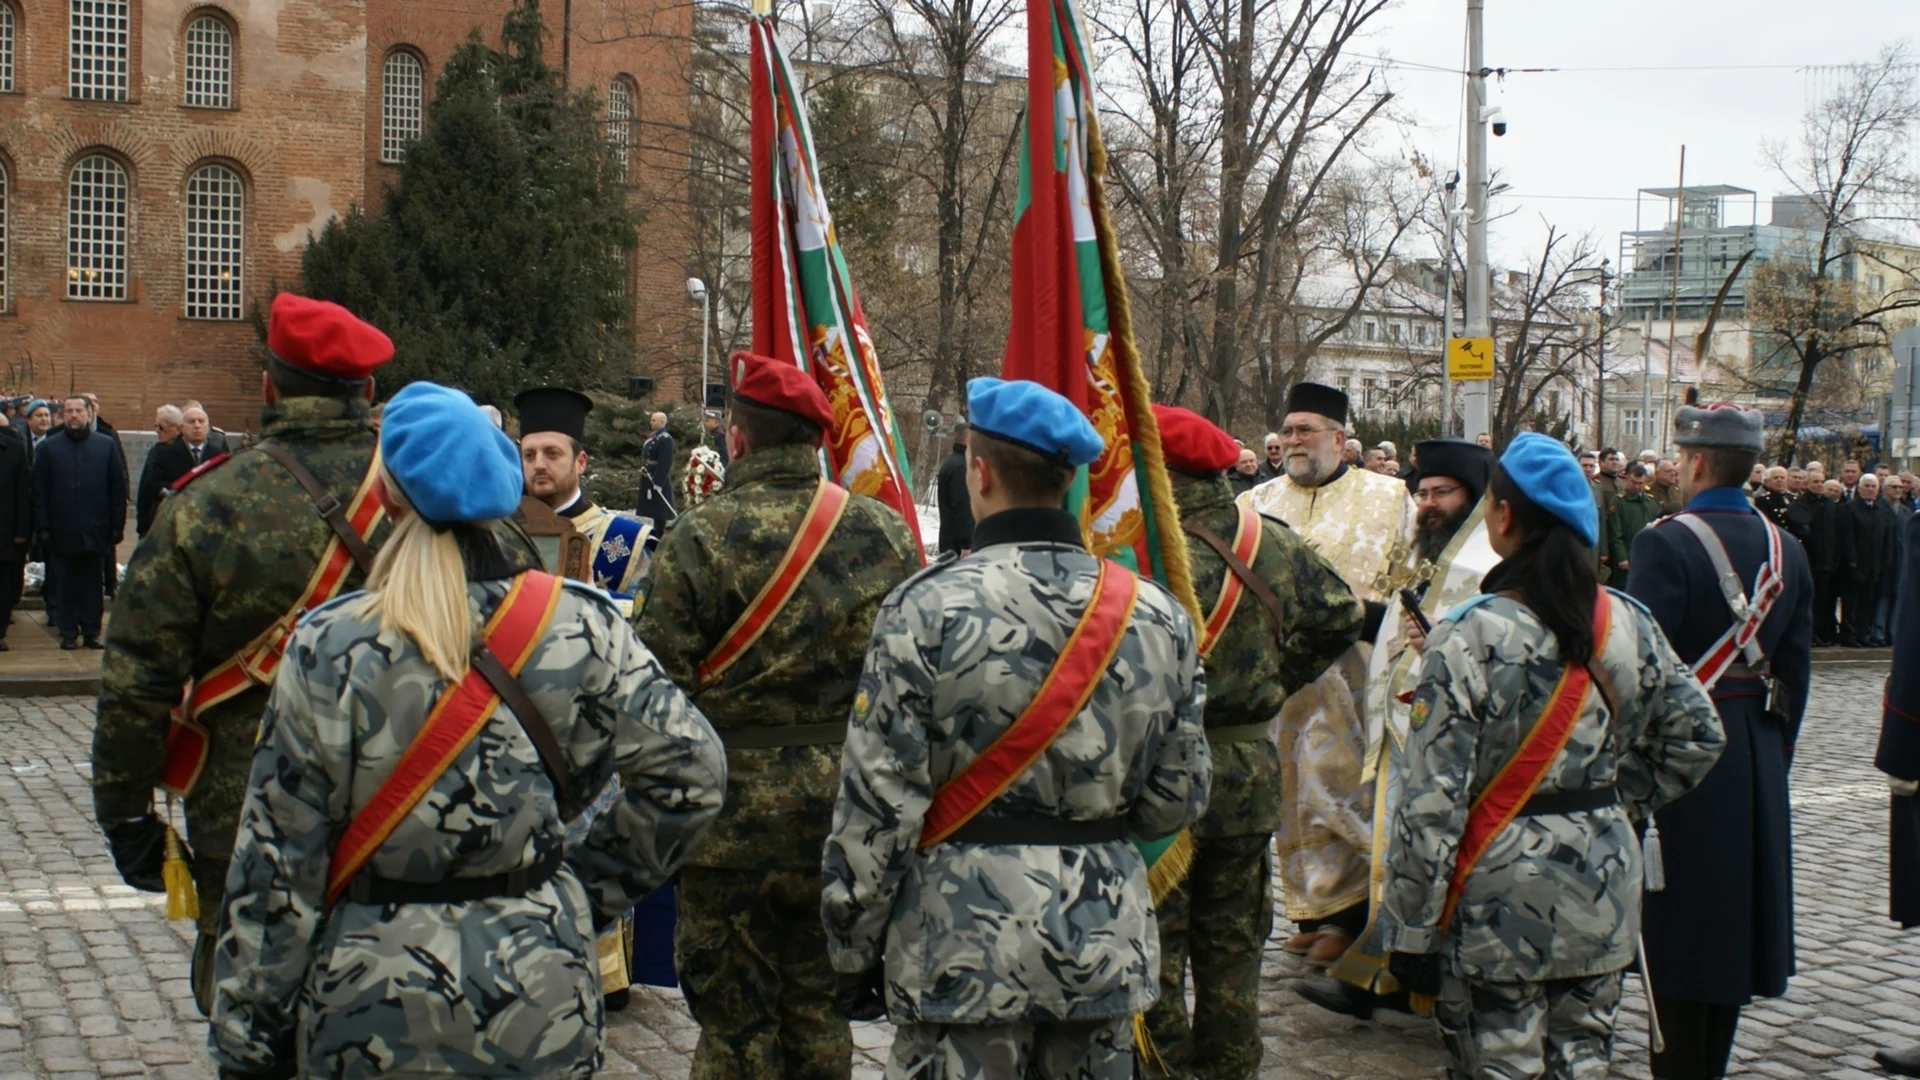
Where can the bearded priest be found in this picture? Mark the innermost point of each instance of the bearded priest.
(1363, 523)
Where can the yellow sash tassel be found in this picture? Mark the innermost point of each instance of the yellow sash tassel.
(1143, 1048)
(1421, 1004)
(1170, 869)
(182, 901)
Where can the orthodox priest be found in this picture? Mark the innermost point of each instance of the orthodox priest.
(1452, 552)
(1363, 523)
(1899, 758)
(553, 458)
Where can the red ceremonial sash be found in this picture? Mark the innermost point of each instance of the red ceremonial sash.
(188, 740)
(517, 626)
(822, 517)
(1246, 544)
(1062, 694)
(1500, 802)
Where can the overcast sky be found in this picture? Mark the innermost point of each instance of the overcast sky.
(1581, 143)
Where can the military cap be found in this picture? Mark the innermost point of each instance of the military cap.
(1033, 417)
(1318, 399)
(1191, 444)
(1468, 462)
(325, 339)
(1546, 473)
(776, 384)
(553, 408)
(1722, 426)
(450, 461)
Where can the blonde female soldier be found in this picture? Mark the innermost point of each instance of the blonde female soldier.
(400, 903)
(1550, 715)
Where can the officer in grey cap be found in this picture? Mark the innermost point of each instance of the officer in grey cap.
(1735, 598)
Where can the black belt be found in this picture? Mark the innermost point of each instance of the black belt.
(1570, 802)
(367, 889)
(772, 736)
(1038, 831)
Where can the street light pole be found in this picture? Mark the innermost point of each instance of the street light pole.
(1600, 385)
(698, 290)
(1474, 394)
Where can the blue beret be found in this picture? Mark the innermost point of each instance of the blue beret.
(450, 461)
(1029, 415)
(1545, 471)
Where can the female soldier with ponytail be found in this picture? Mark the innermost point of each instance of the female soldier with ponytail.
(399, 902)
(1550, 716)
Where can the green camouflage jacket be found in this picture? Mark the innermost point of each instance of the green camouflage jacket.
(988, 933)
(504, 986)
(1556, 896)
(802, 670)
(1248, 674)
(228, 555)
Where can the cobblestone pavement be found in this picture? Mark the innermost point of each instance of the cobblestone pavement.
(93, 982)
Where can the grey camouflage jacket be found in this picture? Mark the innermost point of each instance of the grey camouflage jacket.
(983, 934)
(1555, 896)
(497, 987)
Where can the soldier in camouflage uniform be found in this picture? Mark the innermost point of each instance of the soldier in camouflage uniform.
(464, 944)
(229, 555)
(1222, 912)
(751, 954)
(1526, 960)
(1023, 943)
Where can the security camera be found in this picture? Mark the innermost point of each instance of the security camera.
(1493, 115)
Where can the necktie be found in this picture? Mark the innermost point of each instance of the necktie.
(196, 455)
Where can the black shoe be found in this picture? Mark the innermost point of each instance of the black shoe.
(1900, 1062)
(94, 643)
(617, 1000)
(4, 647)
(1335, 996)
(69, 644)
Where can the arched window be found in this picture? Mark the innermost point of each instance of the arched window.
(97, 229)
(403, 86)
(207, 82)
(6, 48)
(216, 242)
(3, 234)
(97, 50)
(620, 118)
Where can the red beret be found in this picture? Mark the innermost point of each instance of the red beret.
(776, 384)
(324, 339)
(1191, 444)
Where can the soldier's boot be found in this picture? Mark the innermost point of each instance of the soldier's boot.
(1338, 995)
(1900, 1062)
(209, 886)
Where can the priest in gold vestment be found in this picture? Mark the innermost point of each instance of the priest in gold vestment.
(1363, 523)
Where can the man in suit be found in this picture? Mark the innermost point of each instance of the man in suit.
(80, 513)
(956, 510)
(1866, 538)
(196, 444)
(1721, 931)
(154, 480)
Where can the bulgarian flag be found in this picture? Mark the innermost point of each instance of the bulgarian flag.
(1071, 330)
(804, 308)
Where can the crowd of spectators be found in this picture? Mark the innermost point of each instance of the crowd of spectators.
(64, 494)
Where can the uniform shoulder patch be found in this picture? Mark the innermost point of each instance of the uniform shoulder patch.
(1459, 610)
(200, 470)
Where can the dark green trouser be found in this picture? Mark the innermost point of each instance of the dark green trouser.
(1218, 920)
(752, 958)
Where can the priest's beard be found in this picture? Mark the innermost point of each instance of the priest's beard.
(1311, 468)
(1435, 528)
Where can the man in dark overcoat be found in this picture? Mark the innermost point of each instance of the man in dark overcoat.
(1899, 759)
(1721, 931)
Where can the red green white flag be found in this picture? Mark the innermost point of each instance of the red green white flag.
(805, 310)
(1071, 330)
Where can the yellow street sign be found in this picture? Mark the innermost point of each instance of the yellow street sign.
(1470, 359)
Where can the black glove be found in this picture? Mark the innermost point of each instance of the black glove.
(861, 996)
(139, 850)
(1417, 973)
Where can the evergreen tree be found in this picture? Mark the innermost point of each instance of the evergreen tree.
(499, 259)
